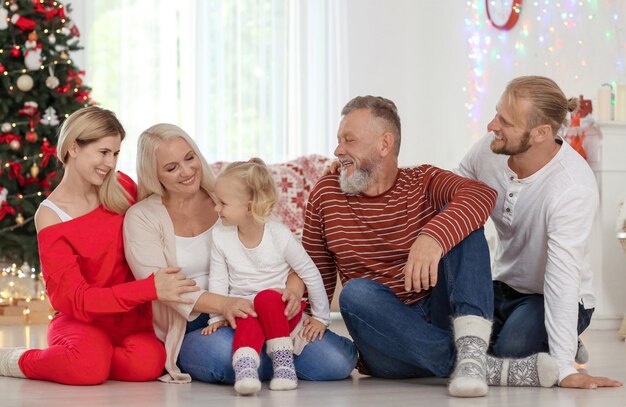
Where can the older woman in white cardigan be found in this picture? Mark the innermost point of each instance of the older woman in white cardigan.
(171, 226)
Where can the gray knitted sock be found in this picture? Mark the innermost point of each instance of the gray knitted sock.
(538, 370)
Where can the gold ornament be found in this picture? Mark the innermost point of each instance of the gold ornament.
(34, 170)
(63, 55)
(25, 83)
(19, 219)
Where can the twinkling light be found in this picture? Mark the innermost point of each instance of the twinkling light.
(560, 36)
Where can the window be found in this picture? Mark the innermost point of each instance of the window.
(243, 77)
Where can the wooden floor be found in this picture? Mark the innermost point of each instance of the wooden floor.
(607, 350)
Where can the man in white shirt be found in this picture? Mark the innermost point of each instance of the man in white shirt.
(547, 198)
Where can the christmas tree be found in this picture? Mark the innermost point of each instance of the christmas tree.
(40, 86)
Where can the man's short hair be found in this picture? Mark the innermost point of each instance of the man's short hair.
(380, 108)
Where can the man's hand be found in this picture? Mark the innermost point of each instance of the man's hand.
(420, 271)
(313, 329)
(291, 300)
(234, 307)
(585, 381)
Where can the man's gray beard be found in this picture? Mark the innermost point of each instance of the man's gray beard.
(359, 181)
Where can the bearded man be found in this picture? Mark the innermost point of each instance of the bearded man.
(410, 251)
(547, 200)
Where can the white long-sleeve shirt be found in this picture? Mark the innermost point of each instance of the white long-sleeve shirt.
(543, 223)
(238, 271)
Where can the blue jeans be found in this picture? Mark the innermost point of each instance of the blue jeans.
(396, 340)
(519, 328)
(209, 358)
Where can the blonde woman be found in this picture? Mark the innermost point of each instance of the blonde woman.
(103, 326)
(171, 226)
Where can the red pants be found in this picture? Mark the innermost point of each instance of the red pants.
(271, 322)
(86, 354)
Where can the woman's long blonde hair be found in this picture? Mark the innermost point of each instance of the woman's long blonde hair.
(84, 127)
(147, 178)
(258, 184)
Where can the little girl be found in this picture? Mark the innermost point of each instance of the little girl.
(250, 258)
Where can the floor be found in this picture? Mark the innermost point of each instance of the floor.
(607, 350)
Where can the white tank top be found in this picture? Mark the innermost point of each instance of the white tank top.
(60, 213)
(193, 255)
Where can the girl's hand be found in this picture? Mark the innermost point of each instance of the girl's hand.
(313, 329)
(291, 300)
(214, 327)
(170, 283)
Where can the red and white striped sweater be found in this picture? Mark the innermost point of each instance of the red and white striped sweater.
(371, 236)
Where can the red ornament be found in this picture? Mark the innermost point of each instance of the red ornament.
(15, 52)
(2, 69)
(31, 136)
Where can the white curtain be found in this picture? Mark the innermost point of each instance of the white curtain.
(243, 77)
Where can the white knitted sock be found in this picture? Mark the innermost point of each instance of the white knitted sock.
(538, 370)
(8, 362)
(471, 337)
(246, 365)
(280, 350)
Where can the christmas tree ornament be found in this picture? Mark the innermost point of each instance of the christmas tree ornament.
(63, 55)
(24, 83)
(50, 117)
(34, 170)
(4, 24)
(19, 219)
(15, 52)
(14, 7)
(6, 127)
(23, 23)
(3, 195)
(3, 69)
(32, 52)
(29, 109)
(52, 82)
(15, 145)
(52, 39)
(31, 136)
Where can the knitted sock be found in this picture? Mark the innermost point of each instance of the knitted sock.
(582, 354)
(533, 371)
(280, 350)
(8, 362)
(471, 336)
(246, 366)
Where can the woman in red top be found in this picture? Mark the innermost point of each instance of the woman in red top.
(103, 329)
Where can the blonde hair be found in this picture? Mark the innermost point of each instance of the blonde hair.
(147, 178)
(257, 181)
(548, 103)
(86, 126)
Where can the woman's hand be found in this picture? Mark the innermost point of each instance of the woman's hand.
(292, 301)
(214, 327)
(170, 284)
(233, 307)
(332, 168)
(313, 329)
